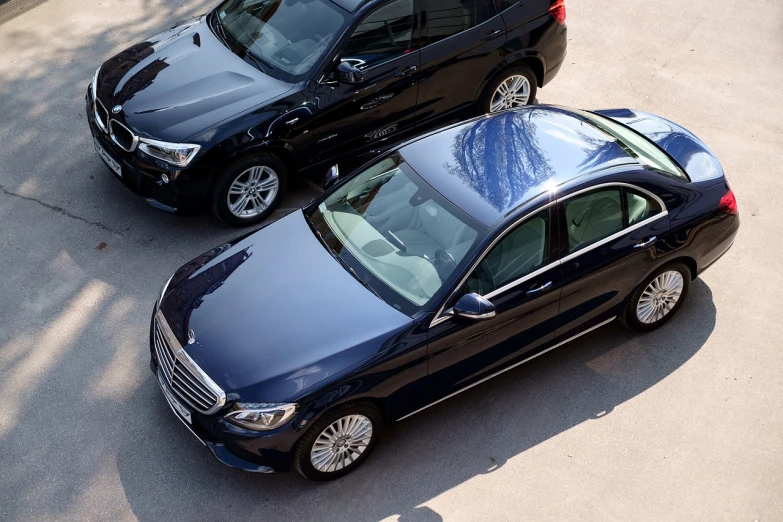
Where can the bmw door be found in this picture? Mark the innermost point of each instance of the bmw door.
(354, 119)
(465, 41)
(520, 275)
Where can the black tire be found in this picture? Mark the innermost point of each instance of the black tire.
(302, 462)
(494, 83)
(630, 317)
(220, 205)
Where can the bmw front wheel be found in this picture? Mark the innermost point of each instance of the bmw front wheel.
(250, 189)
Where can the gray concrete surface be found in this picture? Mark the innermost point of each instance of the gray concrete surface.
(681, 424)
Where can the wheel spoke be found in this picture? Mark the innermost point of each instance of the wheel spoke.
(252, 191)
(341, 443)
(237, 188)
(659, 297)
(267, 184)
(240, 205)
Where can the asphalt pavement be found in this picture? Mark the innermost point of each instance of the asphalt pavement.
(683, 423)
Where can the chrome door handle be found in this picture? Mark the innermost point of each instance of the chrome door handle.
(540, 289)
(406, 71)
(645, 243)
(490, 35)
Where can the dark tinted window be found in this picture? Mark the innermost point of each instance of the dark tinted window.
(640, 206)
(505, 4)
(383, 34)
(520, 252)
(592, 217)
(449, 17)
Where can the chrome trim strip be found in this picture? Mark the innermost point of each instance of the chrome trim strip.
(617, 235)
(203, 395)
(190, 389)
(177, 415)
(705, 267)
(188, 396)
(580, 334)
(521, 280)
(134, 140)
(440, 316)
(616, 184)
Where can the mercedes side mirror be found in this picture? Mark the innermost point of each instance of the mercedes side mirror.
(331, 177)
(348, 73)
(474, 307)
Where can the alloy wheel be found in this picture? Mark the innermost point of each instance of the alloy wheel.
(252, 191)
(660, 296)
(513, 92)
(341, 443)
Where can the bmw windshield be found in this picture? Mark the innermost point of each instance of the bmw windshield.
(396, 233)
(285, 38)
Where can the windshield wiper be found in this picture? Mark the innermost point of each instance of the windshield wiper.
(342, 261)
(219, 29)
(263, 64)
(221, 33)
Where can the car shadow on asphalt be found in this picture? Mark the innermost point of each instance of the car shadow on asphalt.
(473, 434)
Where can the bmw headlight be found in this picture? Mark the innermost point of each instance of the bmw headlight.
(177, 154)
(260, 416)
(94, 86)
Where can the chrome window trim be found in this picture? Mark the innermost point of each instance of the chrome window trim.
(182, 356)
(442, 315)
(134, 142)
(521, 280)
(614, 236)
(485, 379)
(616, 184)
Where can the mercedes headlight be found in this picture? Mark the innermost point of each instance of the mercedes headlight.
(260, 416)
(177, 154)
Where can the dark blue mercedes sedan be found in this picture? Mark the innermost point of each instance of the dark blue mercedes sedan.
(443, 263)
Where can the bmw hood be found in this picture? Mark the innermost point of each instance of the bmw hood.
(181, 82)
(690, 152)
(274, 313)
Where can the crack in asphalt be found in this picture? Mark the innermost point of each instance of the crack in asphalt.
(61, 210)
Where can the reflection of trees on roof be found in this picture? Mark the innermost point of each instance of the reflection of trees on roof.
(598, 151)
(508, 145)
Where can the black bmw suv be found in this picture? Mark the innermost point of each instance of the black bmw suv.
(223, 110)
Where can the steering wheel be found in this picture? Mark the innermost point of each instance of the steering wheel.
(444, 263)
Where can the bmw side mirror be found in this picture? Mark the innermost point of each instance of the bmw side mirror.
(474, 307)
(331, 177)
(348, 73)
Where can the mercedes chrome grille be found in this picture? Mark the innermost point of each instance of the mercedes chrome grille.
(183, 375)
